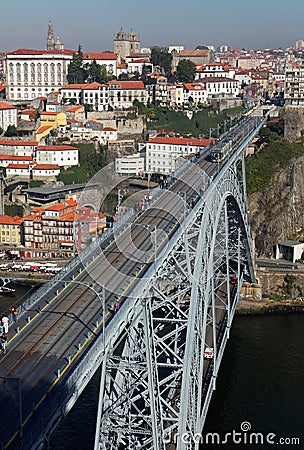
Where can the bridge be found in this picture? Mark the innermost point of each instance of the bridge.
(176, 270)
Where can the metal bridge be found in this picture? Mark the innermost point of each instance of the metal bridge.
(176, 270)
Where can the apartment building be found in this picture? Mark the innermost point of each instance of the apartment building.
(94, 94)
(60, 229)
(130, 165)
(122, 94)
(11, 230)
(61, 155)
(35, 73)
(162, 153)
(18, 148)
(8, 115)
(294, 84)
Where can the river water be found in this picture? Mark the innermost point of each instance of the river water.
(260, 383)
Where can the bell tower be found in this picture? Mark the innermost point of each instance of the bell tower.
(50, 37)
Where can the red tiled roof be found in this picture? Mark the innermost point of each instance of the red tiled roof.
(55, 147)
(76, 108)
(30, 51)
(95, 55)
(9, 220)
(19, 143)
(181, 141)
(4, 105)
(43, 128)
(15, 158)
(46, 167)
(82, 86)
(127, 84)
(49, 113)
(194, 87)
(109, 129)
(18, 166)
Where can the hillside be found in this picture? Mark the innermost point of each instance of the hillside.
(276, 192)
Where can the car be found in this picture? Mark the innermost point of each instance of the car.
(208, 353)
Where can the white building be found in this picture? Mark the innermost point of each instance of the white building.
(122, 94)
(8, 115)
(108, 60)
(108, 134)
(41, 171)
(214, 70)
(130, 165)
(162, 152)
(195, 93)
(22, 170)
(94, 94)
(35, 73)
(216, 86)
(18, 148)
(62, 155)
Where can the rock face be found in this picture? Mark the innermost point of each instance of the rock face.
(277, 214)
(293, 122)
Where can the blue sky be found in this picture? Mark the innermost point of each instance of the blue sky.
(92, 23)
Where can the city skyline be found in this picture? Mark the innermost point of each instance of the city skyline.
(257, 27)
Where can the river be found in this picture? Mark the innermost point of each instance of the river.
(260, 383)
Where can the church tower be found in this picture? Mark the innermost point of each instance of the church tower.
(126, 44)
(50, 37)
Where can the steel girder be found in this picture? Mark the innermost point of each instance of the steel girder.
(156, 384)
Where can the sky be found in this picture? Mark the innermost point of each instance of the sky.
(92, 23)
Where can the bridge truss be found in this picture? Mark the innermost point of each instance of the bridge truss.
(156, 384)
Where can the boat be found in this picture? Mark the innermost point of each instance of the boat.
(7, 290)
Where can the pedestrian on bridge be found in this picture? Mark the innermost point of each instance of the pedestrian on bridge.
(14, 313)
(116, 306)
(4, 323)
(3, 343)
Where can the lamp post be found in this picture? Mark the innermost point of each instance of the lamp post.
(147, 226)
(101, 297)
(18, 403)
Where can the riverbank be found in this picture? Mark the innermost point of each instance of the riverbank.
(266, 307)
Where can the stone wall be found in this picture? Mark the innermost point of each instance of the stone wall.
(293, 122)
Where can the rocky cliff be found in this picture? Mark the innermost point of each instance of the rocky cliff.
(277, 214)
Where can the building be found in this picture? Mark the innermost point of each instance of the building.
(94, 94)
(290, 250)
(294, 84)
(60, 229)
(11, 231)
(35, 73)
(18, 148)
(122, 94)
(106, 59)
(61, 155)
(214, 70)
(8, 115)
(220, 86)
(162, 152)
(126, 44)
(201, 57)
(130, 165)
(194, 93)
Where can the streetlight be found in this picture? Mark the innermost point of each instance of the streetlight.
(101, 297)
(147, 227)
(18, 402)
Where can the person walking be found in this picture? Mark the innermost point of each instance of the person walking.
(116, 306)
(14, 313)
(4, 323)
(3, 344)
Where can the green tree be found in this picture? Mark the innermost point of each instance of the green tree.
(76, 72)
(185, 71)
(288, 287)
(11, 131)
(93, 72)
(162, 58)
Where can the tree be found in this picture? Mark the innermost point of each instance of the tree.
(202, 47)
(11, 131)
(288, 287)
(76, 72)
(185, 71)
(163, 59)
(93, 72)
